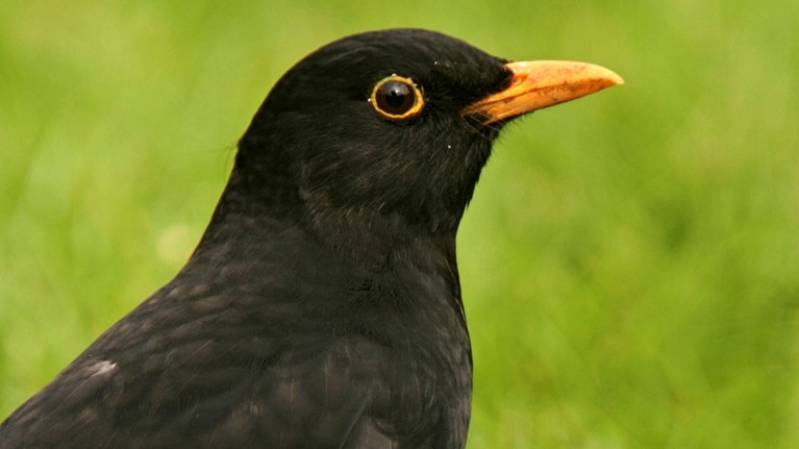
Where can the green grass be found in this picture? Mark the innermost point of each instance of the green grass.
(630, 261)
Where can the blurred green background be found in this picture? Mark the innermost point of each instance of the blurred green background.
(629, 261)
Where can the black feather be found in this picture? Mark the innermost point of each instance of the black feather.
(322, 308)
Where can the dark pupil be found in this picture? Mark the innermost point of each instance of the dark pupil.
(395, 97)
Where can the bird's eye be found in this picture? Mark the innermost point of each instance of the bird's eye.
(397, 98)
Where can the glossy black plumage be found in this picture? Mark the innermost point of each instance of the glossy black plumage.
(322, 308)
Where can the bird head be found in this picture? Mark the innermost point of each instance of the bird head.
(394, 127)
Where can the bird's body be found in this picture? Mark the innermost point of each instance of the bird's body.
(294, 348)
(322, 308)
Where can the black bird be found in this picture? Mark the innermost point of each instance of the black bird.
(322, 307)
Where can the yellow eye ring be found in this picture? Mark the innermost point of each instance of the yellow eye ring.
(397, 98)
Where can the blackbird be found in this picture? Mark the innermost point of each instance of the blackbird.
(322, 306)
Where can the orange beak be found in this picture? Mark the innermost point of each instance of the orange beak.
(540, 84)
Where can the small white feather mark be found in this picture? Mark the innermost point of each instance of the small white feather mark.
(102, 367)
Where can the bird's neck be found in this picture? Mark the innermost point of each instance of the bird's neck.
(266, 243)
(255, 213)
